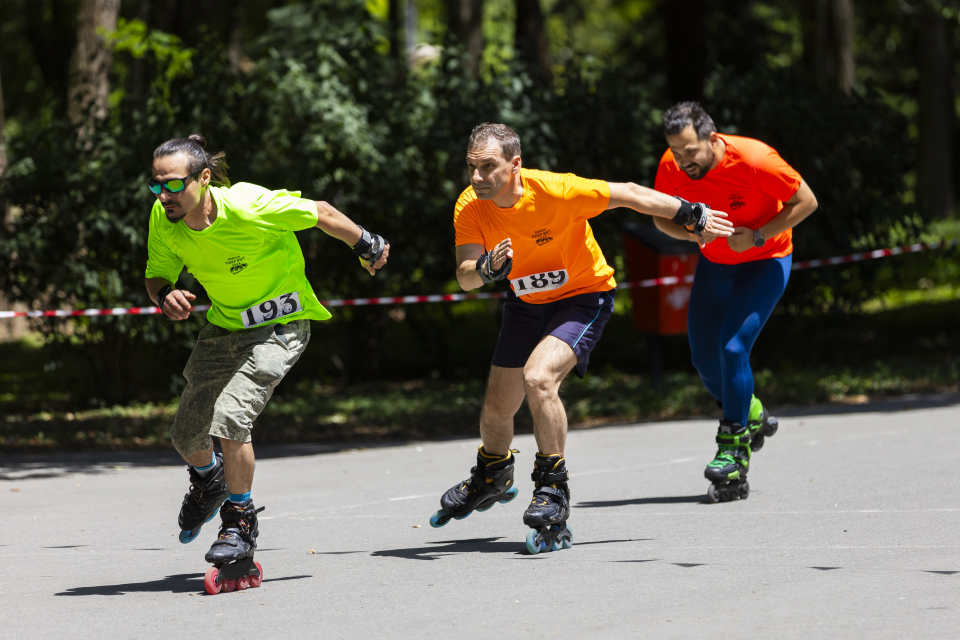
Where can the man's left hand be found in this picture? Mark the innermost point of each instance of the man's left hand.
(741, 240)
(372, 268)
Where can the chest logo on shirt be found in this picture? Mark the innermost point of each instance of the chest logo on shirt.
(736, 201)
(542, 236)
(236, 264)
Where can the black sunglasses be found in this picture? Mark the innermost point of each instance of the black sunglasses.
(174, 185)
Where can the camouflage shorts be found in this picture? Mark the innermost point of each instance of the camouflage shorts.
(230, 377)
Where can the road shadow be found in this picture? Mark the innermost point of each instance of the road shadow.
(180, 583)
(53, 465)
(699, 498)
(475, 545)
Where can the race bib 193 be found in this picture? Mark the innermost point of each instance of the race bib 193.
(538, 282)
(280, 306)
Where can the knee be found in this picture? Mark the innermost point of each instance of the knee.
(538, 383)
(187, 444)
(734, 349)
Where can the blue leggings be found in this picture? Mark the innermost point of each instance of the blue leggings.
(729, 305)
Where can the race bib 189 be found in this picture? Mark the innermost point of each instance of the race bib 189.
(539, 282)
(269, 310)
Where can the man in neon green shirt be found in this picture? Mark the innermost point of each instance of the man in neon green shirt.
(239, 243)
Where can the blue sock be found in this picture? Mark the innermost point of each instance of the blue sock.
(203, 471)
(239, 497)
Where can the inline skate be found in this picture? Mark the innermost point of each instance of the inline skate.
(548, 511)
(490, 482)
(232, 552)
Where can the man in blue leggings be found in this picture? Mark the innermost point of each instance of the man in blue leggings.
(739, 279)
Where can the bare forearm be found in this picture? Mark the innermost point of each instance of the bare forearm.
(643, 200)
(793, 213)
(673, 230)
(788, 218)
(153, 287)
(467, 275)
(334, 223)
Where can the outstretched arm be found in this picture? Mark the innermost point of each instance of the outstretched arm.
(660, 205)
(334, 223)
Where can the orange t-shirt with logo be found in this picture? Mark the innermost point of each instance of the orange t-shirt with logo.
(750, 184)
(555, 255)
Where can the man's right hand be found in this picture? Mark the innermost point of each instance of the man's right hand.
(176, 305)
(501, 253)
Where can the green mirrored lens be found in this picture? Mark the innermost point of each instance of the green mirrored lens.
(175, 185)
(154, 188)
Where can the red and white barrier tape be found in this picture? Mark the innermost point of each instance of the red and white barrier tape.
(459, 297)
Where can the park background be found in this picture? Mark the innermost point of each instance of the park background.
(368, 105)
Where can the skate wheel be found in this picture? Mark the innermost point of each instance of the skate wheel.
(243, 583)
(555, 545)
(210, 581)
(439, 519)
(486, 508)
(256, 580)
(712, 496)
(772, 425)
(743, 492)
(567, 540)
(462, 516)
(533, 542)
(228, 585)
(509, 495)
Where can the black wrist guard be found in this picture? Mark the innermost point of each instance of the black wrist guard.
(691, 214)
(161, 296)
(370, 247)
(484, 263)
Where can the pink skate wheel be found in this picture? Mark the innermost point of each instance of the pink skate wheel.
(228, 585)
(210, 581)
(256, 580)
(242, 583)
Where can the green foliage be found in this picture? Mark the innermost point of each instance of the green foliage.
(321, 108)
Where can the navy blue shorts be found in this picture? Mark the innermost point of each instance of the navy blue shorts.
(577, 320)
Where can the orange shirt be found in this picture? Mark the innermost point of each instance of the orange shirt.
(555, 255)
(750, 184)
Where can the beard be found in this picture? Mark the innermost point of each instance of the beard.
(704, 168)
(173, 216)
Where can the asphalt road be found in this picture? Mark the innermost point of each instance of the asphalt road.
(850, 531)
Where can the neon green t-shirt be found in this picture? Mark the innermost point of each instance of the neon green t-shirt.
(248, 260)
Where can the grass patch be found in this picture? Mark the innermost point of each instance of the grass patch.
(430, 409)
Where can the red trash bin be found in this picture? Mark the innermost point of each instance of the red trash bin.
(661, 310)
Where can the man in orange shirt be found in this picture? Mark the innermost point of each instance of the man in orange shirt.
(532, 228)
(738, 279)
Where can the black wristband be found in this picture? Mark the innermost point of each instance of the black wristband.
(493, 276)
(685, 215)
(165, 290)
(370, 246)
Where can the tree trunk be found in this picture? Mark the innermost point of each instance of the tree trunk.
(935, 116)
(465, 23)
(530, 38)
(4, 161)
(686, 49)
(828, 43)
(89, 82)
(393, 26)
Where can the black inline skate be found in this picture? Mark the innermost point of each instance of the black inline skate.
(232, 553)
(548, 511)
(728, 470)
(762, 424)
(490, 482)
(202, 501)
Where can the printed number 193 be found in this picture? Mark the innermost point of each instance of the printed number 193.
(268, 310)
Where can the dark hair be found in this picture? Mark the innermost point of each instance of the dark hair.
(507, 137)
(198, 159)
(688, 114)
